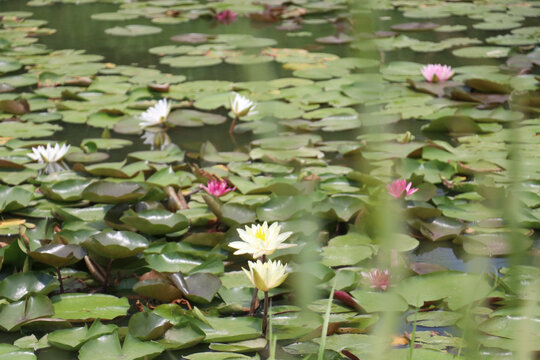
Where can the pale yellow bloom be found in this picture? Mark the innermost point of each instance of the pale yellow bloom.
(261, 240)
(266, 276)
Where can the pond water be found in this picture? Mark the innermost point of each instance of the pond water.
(457, 150)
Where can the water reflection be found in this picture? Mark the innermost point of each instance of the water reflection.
(453, 257)
(157, 138)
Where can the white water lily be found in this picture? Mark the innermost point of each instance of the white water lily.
(266, 276)
(49, 154)
(156, 114)
(261, 240)
(242, 106)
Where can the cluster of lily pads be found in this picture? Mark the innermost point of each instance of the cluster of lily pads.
(134, 258)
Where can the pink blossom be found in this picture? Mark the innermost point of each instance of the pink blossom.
(378, 279)
(226, 16)
(399, 186)
(217, 187)
(437, 72)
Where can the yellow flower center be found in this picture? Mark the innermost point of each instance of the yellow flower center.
(260, 234)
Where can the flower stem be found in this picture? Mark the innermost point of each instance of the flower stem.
(265, 314)
(231, 129)
(253, 302)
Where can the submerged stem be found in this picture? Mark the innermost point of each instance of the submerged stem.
(107, 275)
(60, 280)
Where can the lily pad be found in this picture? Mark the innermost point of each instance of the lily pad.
(155, 222)
(85, 307)
(116, 244)
(133, 30)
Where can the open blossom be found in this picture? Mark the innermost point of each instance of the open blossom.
(267, 275)
(378, 279)
(260, 240)
(226, 16)
(217, 187)
(437, 72)
(49, 154)
(156, 114)
(399, 186)
(242, 106)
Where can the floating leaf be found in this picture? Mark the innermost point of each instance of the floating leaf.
(109, 347)
(86, 307)
(15, 315)
(155, 222)
(58, 255)
(116, 244)
(133, 30)
(23, 285)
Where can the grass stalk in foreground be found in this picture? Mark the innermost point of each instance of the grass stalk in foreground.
(413, 337)
(272, 340)
(322, 345)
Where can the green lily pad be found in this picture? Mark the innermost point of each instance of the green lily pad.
(457, 289)
(147, 325)
(155, 222)
(72, 339)
(182, 336)
(190, 61)
(159, 289)
(15, 315)
(58, 255)
(231, 329)
(23, 285)
(194, 118)
(67, 190)
(109, 347)
(116, 244)
(482, 52)
(8, 65)
(85, 307)
(133, 30)
(113, 193)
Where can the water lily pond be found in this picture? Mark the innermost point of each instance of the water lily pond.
(237, 179)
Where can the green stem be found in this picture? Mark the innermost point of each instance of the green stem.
(325, 323)
(413, 337)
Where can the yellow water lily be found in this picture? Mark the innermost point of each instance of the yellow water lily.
(267, 275)
(259, 240)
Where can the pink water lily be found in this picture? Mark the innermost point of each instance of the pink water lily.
(226, 16)
(397, 188)
(217, 187)
(437, 72)
(378, 279)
